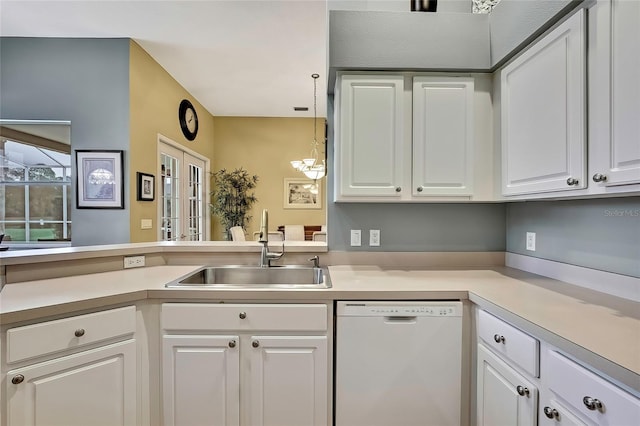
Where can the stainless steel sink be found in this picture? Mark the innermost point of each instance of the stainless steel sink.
(241, 276)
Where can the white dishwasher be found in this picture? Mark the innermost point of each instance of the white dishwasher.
(398, 363)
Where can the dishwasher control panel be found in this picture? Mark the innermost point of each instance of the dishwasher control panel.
(400, 309)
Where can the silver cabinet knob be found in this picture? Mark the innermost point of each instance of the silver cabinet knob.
(79, 332)
(522, 391)
(572, 181)
(551, 413)
(599, 177)
(419, 189)
(592, 403)
(498, 338)
(242, 315)
(255, 343)
(17, 379)
(398, 189)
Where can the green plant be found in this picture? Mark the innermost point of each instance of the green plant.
(232, 197)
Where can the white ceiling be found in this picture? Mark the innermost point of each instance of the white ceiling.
(236, 57)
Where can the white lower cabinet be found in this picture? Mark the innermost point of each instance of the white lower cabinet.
(570, 393)
(245, 364)
(504, 396)
(56, 373)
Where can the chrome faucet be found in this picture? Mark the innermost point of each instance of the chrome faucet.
(265, 256)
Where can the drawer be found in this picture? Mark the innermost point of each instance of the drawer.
(69, 333)
(239, 317)
(578, 386)
(510, 342)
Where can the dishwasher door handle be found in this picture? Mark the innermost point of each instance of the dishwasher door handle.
(400, 319)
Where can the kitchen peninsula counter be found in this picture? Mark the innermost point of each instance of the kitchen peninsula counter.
(600, 329)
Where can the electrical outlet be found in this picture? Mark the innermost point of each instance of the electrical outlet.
(133, 262)
(374, 237)
(356, 240)
(531, 241)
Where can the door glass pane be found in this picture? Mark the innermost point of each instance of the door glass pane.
(195, 203)
(170, 197)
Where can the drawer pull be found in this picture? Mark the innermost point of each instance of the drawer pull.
(572, 181)
(79, 332)
(17, 379)
(599, 177)
(498, 338)
(551, 413)
(398, 189)
(255, 343)
(592, 403)
(232, 343)
(522, 391)
(242, 315)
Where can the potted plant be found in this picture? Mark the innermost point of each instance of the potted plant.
(232, 198)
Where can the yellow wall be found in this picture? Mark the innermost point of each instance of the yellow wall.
(264, 146)
(154, 100)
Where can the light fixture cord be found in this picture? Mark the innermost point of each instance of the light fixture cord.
(314, 151)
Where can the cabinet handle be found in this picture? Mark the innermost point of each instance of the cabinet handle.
(599, 177)
(522, 391)
(592, 403)
(498, 338)
(419, 189)
(255, 343)
(232, 343)
(242, 315)
(17, 379)
(398, 189)
(572, 181)
(551, 413)
(79, 332)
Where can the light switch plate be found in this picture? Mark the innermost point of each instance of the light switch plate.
(374, 237)
(356, 239)
(146, 223)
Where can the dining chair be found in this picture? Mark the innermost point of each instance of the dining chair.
(237, 233)
(294, 232)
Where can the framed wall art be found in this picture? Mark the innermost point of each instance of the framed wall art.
(302, 194)
(99, 178)
(146, 186)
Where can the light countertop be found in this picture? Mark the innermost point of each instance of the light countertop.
(604, 329)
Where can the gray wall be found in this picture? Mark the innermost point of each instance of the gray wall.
(412, 227)
(602, 234)
(85, 81)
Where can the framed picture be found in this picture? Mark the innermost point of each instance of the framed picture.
(146, 187)
(100, 183)
(302, 194)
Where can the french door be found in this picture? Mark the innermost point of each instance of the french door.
(182, 189)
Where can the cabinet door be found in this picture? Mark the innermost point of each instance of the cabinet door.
(370, 146)
(442, 136)
(201, 384)
(542, 114)
(623, 156)
(505, 398)
(288, 381)
(94, 387)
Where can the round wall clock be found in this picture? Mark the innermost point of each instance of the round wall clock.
(188, 119)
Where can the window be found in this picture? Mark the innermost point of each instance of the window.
(35, 191)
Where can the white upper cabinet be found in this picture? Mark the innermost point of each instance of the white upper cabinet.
(409, 137)
(543, 113)
(614, 115)
(442, 136)
(369, 155)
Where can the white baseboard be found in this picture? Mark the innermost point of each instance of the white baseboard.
(605, 282)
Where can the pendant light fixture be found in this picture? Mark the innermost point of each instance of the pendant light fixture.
(312, 167)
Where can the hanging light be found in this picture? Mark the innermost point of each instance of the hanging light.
(312, 167)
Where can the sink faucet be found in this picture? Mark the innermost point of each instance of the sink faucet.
(266, 256)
